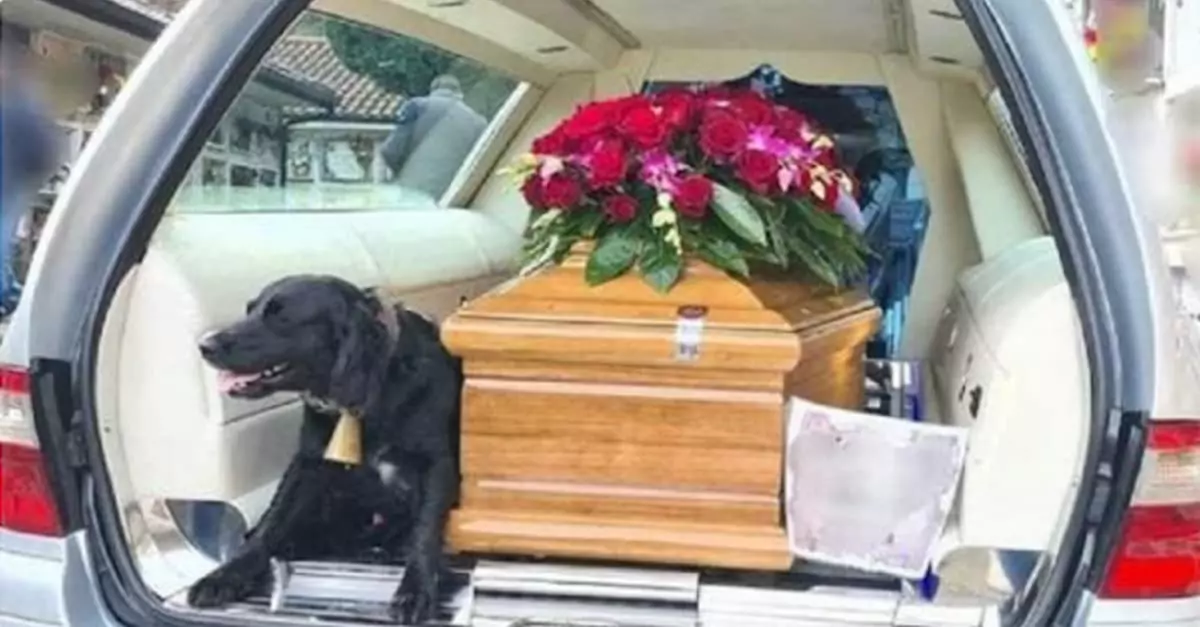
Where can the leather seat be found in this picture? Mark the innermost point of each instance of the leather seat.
(185, 440)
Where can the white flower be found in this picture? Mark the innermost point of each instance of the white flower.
(663, 217)
(664, 200)
(672, 237)
(550, 166)
(818, 189)
(546, 219)
(521, 168)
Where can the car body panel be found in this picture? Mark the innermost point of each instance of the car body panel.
(49, 581)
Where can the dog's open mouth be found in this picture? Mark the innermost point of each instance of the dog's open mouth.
(230, 382)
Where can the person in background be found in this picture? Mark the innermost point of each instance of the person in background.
(27, 158)
(432, 138)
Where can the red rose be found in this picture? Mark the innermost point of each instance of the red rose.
(642, 125)
(532, 191)
(692, 195)
(758, 169)
(789, 123)
(678, 108)
(553, 143)
(607, 164)
(620, 208)
(753, 109)
(589, 120)
(561, 191)
(722, 135)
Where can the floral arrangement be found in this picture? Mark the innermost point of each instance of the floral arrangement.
(722, 174)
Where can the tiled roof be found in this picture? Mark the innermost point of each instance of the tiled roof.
(306, 59)
(359, 97)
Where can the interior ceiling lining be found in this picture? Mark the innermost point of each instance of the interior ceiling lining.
(849, 25)
(499, 24)
(589, 35)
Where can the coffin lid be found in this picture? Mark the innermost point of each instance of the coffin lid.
(554, 318)
(560, 293)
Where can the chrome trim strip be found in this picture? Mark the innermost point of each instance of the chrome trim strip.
(516, 594)
(679, 587)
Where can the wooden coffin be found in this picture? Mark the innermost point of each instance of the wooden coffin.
(617, 423)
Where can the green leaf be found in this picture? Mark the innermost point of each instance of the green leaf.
(830, 224)
(661, 268)
(614, 254)
(818, 266)
(564, 246)
(831, 241)
(589, 222)
(777, 235)
(724, 255)
(736, 212)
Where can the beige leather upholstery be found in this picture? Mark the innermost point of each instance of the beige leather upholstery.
(183, 439)
(1003, 213)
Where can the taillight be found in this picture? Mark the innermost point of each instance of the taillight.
(26, 501)
(1158, 555)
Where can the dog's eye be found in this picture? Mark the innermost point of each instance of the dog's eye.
(272, 308)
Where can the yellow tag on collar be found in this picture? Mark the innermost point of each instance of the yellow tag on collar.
(345, 446)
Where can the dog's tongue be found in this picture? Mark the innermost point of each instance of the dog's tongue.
(229, 381)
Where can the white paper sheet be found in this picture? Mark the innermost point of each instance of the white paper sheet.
(867, 491)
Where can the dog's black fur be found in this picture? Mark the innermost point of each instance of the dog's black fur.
(333, 345)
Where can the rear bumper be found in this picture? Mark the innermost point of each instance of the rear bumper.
(1167, 613)
(46, 581)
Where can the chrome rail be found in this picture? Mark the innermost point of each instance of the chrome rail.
(516, 594)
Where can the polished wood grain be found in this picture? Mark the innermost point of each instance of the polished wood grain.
(547, 370)
(630, 463)
(601, 413)
(621, 501)
(584, 436)
(555, 534)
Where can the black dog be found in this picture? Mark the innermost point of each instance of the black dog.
(345, 351)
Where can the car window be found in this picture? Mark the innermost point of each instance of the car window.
(341, 116)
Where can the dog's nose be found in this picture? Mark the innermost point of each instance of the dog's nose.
(211, 345)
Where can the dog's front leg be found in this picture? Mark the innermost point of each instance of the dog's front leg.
(300, 491)
(416, 599)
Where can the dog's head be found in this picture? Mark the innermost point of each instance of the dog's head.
(314, 334)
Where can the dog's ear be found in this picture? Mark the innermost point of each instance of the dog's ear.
(361, 357)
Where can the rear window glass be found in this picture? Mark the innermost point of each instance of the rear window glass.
(346, 117)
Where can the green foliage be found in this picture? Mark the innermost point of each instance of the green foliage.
(660, 265)
(614, 254)
(797, 237)
(735, 211)
(407, 66)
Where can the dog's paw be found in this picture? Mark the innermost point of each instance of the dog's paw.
(232, 582)
(416, 600)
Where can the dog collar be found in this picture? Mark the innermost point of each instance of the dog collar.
(345, 445)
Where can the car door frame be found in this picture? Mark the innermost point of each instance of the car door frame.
(1048, 80)
(102, 223)
(98, 231)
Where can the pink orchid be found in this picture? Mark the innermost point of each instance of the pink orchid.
(660, 170)
(793, 157)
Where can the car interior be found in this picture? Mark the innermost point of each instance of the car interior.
(987, 314)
